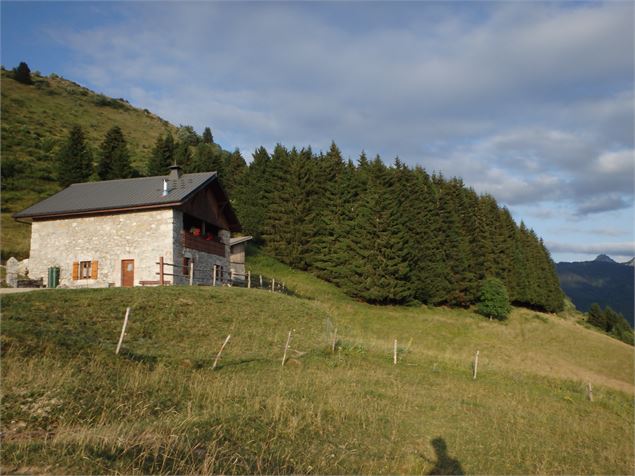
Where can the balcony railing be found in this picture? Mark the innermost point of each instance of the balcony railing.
(200, 244)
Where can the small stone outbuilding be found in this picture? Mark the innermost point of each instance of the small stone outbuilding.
(237, 254)
(112, 233)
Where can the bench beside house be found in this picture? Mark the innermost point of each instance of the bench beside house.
(112, 233)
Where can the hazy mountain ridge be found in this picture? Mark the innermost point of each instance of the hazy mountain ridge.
(603, 281)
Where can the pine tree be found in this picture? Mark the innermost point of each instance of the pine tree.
(22, 74)
(207, 136)
(378, 242)
(75, 163)
(458, 283)
(162, 156)
(252, 194)
(493, 299)
(329, 213)
(207, 158)
(234, 166)
(596, 316)
(114, 159)
(182, 155)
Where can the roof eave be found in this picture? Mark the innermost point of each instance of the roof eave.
(95, 211)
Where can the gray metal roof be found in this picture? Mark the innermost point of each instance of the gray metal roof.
(239, 239)
(118, 194)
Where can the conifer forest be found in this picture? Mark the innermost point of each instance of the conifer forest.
(384, 234)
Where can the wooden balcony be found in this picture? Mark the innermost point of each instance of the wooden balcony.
(197, 243)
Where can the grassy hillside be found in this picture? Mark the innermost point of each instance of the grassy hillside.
(35, 121)
(70, 405)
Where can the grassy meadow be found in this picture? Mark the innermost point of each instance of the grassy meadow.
(69, 405)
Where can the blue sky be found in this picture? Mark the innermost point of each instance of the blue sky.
(531, 102)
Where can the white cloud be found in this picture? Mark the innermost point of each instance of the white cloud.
(531, 102)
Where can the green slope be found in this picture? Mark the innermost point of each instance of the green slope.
(35, 121)
(71, 406)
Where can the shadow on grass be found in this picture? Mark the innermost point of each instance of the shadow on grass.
(236, 363)
(149, 360)
(444, 464)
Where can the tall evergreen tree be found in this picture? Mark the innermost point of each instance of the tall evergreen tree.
(329, 213)
(378, 260)
(289, 225)
(75, 162)
(182, 155)
(207, 136)
(252, 194)
(162, 156)
(22, 74)
(114, 159)
(596, 316)
(234, 167)
(207, 158)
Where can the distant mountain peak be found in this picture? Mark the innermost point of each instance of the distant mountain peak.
(604, 259)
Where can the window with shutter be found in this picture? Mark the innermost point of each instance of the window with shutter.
(75, 270)
(85, 269)
(94, 270)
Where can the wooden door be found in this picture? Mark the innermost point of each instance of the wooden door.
(127, 273)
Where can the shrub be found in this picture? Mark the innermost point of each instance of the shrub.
(494, 300)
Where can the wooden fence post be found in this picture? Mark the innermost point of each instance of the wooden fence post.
(220, 351)
(334, 340)
(590, 391)
(214, 275)
(475, 365)
(286, 347)
(394, 353)
(248, 279)
(123, 330)
(161, 277)
(231, 276)
(191, 272)
(273, 284)
(260, 281)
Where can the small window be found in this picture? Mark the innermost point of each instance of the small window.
(186, 265)
(85, 269)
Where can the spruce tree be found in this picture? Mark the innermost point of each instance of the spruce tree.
(207, 136)
(493, 299)
(22, 74)
(330, 204)
(114, 159)
(234, 166)
(207, 158)
(378, 242)
(75, 163)
(596, 316)
(162, 156)
(182, 155)
(252, 193)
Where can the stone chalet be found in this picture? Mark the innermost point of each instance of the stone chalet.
(113, 233)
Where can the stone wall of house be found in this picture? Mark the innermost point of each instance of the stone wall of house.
(203, 262)
(143, 236)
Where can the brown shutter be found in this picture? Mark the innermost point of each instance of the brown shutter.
(75, 270)
(93, 270)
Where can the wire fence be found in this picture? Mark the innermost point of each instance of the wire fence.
(216, 275)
